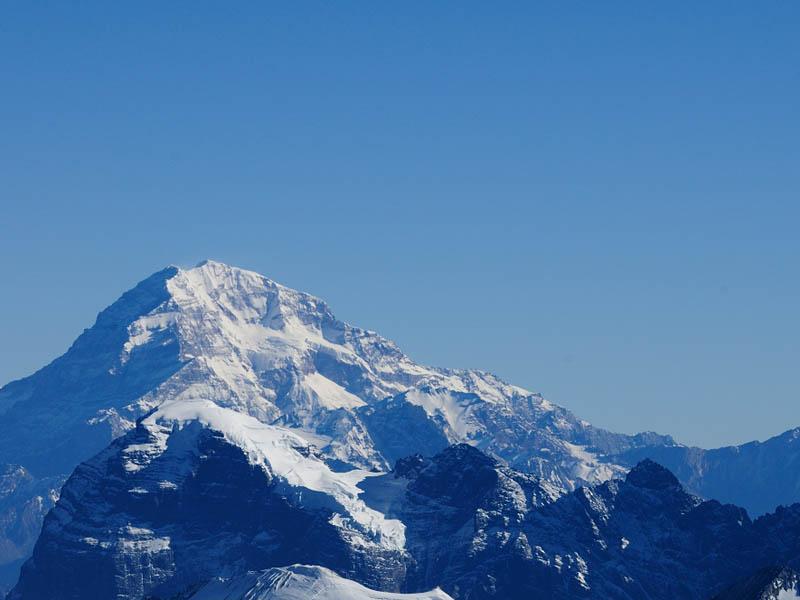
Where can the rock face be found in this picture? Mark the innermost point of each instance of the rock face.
(219, 336)
(484, 531)
(299, 582)
(24, 501)
(770, 583)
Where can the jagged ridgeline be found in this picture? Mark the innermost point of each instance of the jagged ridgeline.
(221, 423)
(208, 505)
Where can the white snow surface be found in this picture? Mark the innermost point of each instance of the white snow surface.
(282, 454)
(587, 466)
(456, 411)
(236, 328)
(300, 582)
(330, 393)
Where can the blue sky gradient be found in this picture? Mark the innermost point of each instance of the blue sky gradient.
(598, 202)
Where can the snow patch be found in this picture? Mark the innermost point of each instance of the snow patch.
(301, 582)
(285, 455)
(455, 409)
(331, 394)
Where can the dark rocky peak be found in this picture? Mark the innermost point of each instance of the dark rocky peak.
(410, 466)
(652, 476)
(463, 456)
(460, 475)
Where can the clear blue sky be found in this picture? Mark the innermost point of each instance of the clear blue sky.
(596, 201)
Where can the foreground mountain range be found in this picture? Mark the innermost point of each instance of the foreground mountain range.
(221, 423)
(200, 500)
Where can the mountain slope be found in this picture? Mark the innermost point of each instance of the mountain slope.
(67, 411)
(770, 583)
(299, 582)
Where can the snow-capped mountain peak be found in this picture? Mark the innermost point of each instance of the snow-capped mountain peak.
(235, 338)
(251, 344)
(265, 342)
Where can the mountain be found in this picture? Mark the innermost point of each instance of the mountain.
(299, 582)
(195, 491)
(757, 475)
(482, 530)
(247, 343)
(199, 498)
(219, 335)
(250, 344)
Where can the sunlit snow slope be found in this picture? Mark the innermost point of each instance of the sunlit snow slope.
(300, 582)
